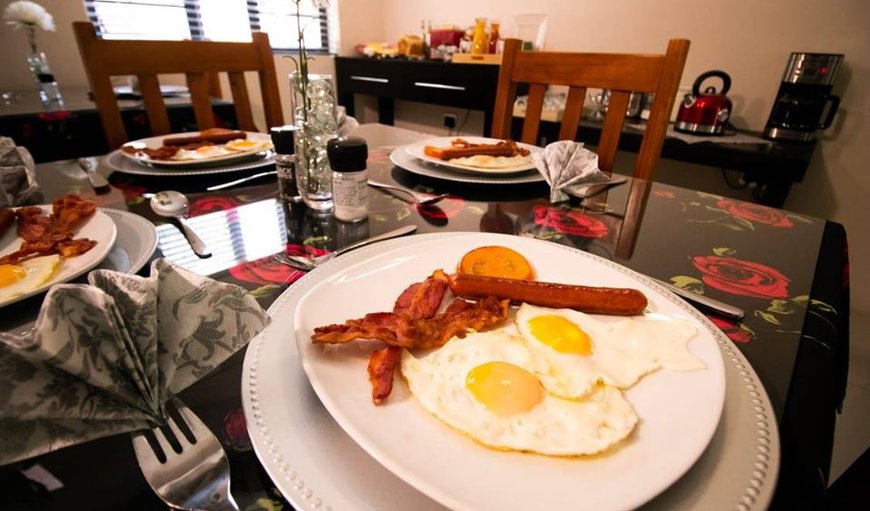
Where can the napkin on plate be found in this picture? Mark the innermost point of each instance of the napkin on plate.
(568, 165)
(104, 358)
(17, 176)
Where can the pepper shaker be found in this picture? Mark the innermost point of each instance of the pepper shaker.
(350, 192)
(283, 138)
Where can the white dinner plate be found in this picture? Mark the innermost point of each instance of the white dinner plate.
(417, 151)
(402, 158)
(135, 244)
(155, 142)
(98, 227)
(679, 412)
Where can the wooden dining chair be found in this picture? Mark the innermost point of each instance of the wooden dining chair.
(200, 61)
(621, 74)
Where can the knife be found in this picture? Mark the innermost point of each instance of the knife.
(242, 180)
(89, 165)
(705, 302)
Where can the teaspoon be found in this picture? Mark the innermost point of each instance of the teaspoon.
(172, 204)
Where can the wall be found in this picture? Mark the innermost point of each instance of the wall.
(749, 39)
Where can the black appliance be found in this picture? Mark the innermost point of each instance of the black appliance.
(804, 102)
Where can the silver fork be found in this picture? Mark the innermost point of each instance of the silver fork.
(196, 477)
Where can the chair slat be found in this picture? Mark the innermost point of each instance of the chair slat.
(572, 113)
(242, 102)
(610, 133)
(198, 85)
(534, 109)
(149, 87)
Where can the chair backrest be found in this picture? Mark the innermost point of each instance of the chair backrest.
(200, 61)
(622, 74)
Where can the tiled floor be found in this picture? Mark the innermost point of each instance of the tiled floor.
(852, 434)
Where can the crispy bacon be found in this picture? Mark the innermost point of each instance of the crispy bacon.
(52, 234)
(426, 333)
(382, 366)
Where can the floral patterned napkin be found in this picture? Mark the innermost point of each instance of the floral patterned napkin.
(104, 358)
(566, 164)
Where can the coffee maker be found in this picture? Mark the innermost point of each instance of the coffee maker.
(804, 102)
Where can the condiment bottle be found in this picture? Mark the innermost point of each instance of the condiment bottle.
(350, 192)
(492, 45)
(283, 139)
(478, 39)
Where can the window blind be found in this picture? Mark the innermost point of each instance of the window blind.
(216, 20)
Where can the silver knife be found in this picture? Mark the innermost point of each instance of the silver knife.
(705, 301)
(89, 165)
(239, 181)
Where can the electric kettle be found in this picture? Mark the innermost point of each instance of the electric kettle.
(705, 113)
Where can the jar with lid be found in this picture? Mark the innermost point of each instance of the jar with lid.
(283, 140)
(494, 37)
(350, 192)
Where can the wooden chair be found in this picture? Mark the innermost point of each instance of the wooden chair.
(619, 73)
(200, 61)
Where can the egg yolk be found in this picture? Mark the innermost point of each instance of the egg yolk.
(560, 334)
(503, 388)
(11, 273)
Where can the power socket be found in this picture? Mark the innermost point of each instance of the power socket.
(449, 121)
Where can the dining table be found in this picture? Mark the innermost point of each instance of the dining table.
(785, 362)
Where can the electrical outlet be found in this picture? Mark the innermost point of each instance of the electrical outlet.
(449, 121)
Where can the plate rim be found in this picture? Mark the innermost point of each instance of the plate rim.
(220, 160)
(402, 159)
(286, 479)
(78, 273)
(151, 242)
(412, 149)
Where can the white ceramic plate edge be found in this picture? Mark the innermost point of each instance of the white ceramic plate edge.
(416, 150)
(153, 142)
(735, 472)
(400, 157)
(144, 232)
(105, 242)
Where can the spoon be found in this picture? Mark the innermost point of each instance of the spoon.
(416, 198)
(308, 263)
(172, 204)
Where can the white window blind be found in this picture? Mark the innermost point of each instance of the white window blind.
(216, 20)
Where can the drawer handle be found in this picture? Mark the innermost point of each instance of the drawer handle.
(369, 79)
(439, 86)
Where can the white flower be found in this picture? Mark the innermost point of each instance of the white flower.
(23, 13)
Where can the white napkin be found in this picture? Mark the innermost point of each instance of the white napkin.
(568, 164)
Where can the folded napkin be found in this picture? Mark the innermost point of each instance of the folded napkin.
(104, 358)
(17, 176)
(567, 164)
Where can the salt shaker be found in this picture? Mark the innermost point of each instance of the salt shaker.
(350, 192)
(283, 138)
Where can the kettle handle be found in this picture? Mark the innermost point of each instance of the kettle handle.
(726, 81)
(832, 111)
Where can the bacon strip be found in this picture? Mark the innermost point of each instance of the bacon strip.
(52, 234)
(426, 333)
(460, 148)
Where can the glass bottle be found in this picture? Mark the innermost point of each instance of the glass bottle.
(284, 141)
(492, 45)
(350, 191)
(478, 38)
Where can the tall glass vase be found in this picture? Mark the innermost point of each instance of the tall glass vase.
(314, 114)
(48, 90)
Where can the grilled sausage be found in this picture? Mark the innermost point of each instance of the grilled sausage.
(593, 300)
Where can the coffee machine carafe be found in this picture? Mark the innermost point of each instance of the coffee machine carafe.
(804, 102)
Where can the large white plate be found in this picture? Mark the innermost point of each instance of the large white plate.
(136, 242)
(220, 162)
(402, 158)
(417, 151)
(679, 411)
(98, 227)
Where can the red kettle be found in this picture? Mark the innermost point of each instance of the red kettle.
(707, 113)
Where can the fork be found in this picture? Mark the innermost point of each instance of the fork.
(416, 198)
(308, 263)
(195, 474)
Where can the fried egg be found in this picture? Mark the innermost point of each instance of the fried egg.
(247, 145)
(19, 279)
(485, 386)
(201, 153)
(574, 351)
(483, 161)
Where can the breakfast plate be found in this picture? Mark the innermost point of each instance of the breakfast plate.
(495, 166)
(255, 146)
(679, 413)
(98, 227)
(135, 244)
(405, 160)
